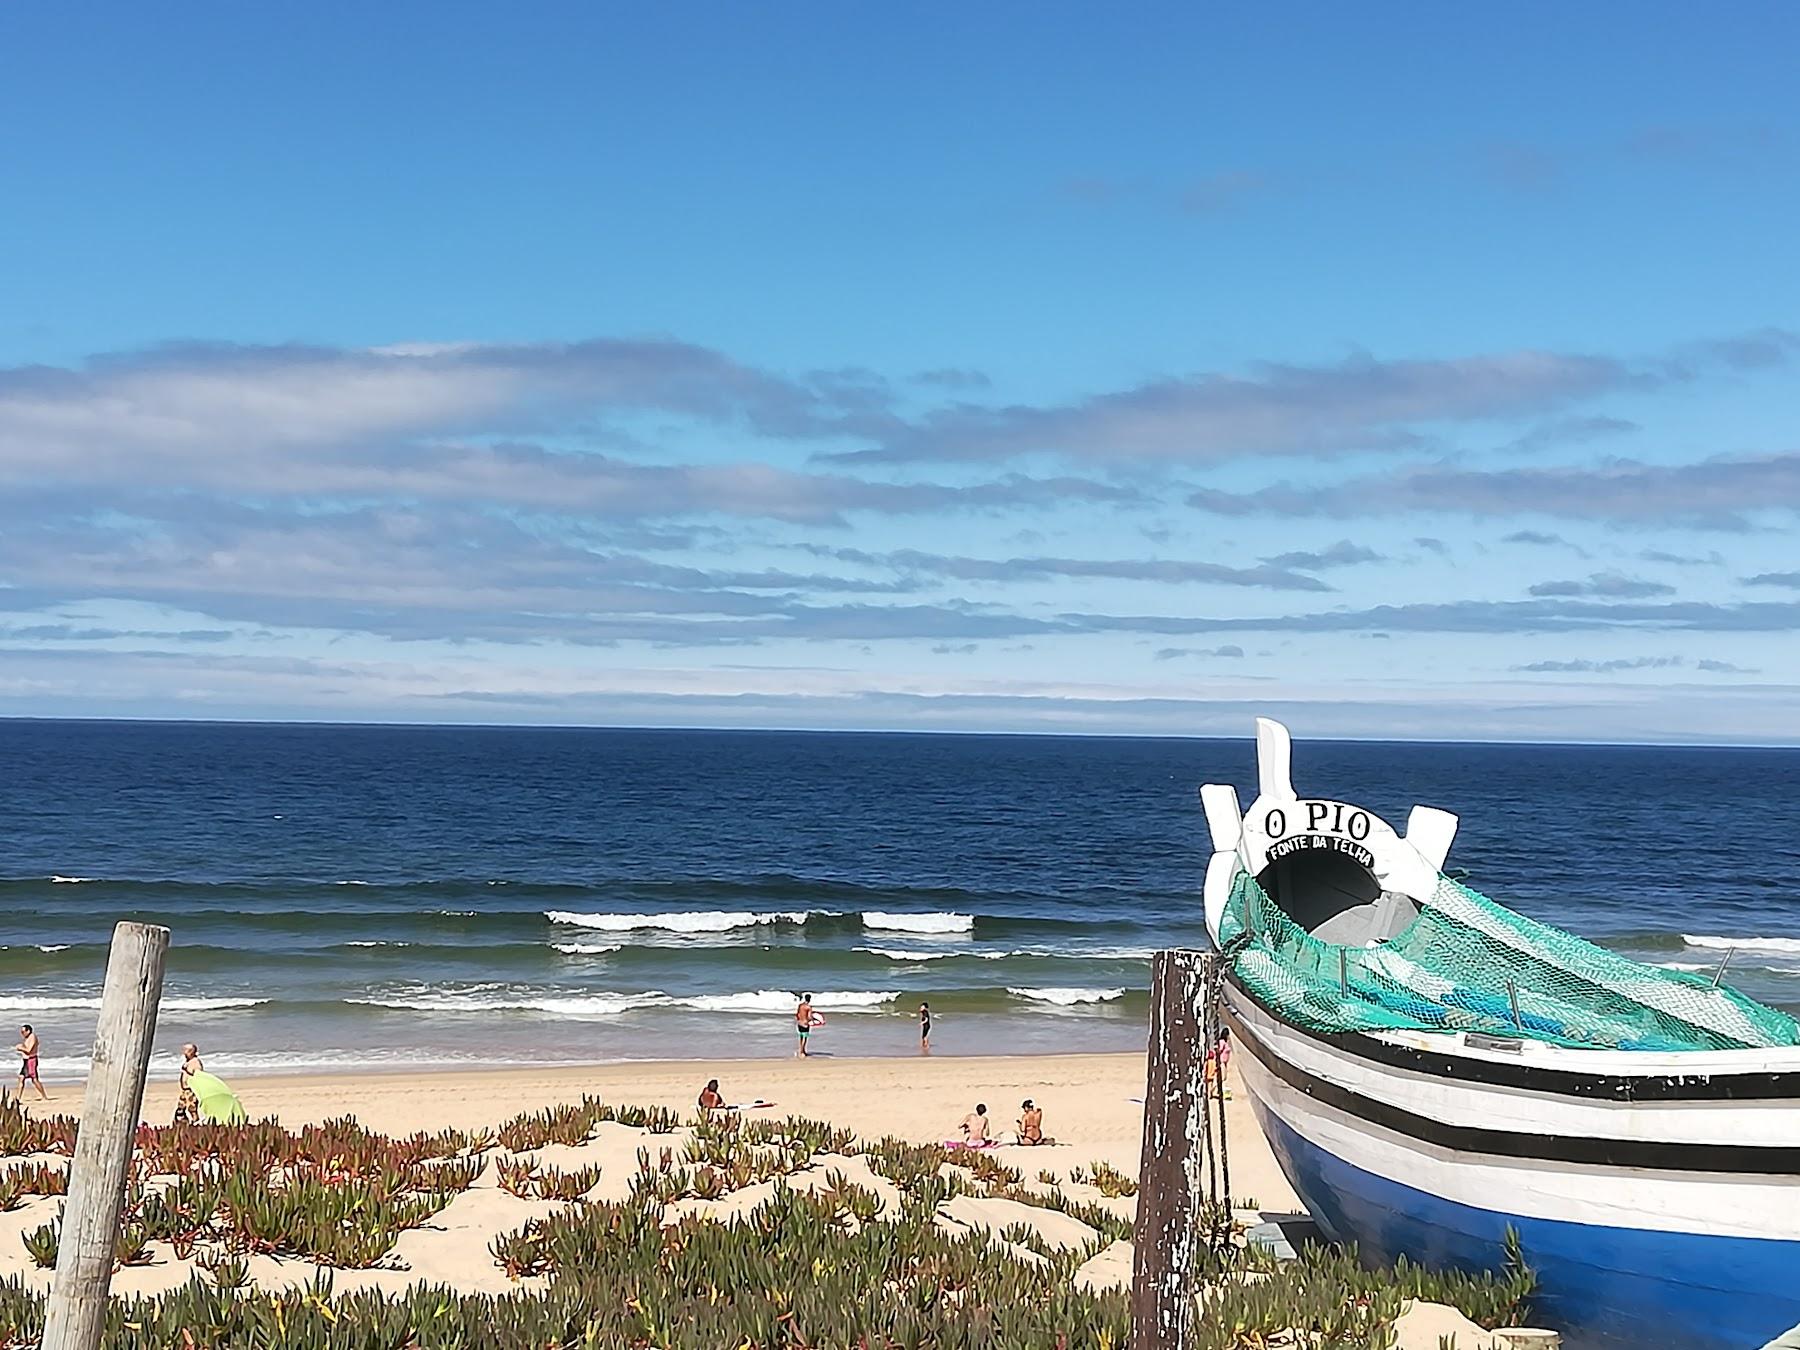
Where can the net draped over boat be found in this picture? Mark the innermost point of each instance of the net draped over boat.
(1450, 970)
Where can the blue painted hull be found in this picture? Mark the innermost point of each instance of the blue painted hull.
(1604, 1288)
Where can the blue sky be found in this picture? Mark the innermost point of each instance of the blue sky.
(1405, 370)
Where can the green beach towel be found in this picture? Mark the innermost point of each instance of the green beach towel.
(217, 1102)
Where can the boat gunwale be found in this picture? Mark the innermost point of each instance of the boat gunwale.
(1706, 1080)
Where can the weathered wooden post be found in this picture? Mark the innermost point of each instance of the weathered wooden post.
(1166, 1241)
(109, 1119)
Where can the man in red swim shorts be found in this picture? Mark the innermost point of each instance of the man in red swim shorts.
(27, 1049)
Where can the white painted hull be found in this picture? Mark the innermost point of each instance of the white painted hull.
(1437, 1166)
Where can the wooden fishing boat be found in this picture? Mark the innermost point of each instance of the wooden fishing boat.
(1434, 1070)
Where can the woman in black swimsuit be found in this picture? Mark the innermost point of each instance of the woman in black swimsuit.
(924, 1028)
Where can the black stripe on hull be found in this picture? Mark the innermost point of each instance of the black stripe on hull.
(1764, 1086)
(1663, 1156)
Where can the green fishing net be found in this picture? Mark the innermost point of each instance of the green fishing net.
(1468, 964)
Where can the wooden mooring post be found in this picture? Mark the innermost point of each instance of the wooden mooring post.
(1167, 1240)
(109, 1119)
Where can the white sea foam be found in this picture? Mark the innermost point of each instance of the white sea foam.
(73, 881)
(370, 1059)
(1074, 953)
(61, 1003)
(587, 948)
(486, 999)
(688, 921)
(1066, 998)
(1007, 954)
(1749, 944)
(380, 942)
(1683, 965)
(53, 946)
(893, 954)
(479, 1001)
(784, 1001)
(919, 923)
(1114, 953)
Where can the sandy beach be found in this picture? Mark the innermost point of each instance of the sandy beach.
(1088, 1101)
(1091, 1109)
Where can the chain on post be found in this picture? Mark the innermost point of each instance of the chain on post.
(1209, 1142)
(1213, 1092)
(1215, 992)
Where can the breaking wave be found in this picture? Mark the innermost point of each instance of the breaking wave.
(1748, 944)
(918, 923)
(690, 921)
(63, 1003)
(605, 1004)
(1068, 998)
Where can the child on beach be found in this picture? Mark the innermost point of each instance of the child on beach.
(27, 1050)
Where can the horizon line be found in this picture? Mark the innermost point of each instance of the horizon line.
(1249, 735)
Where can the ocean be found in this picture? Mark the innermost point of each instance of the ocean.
(345, 898)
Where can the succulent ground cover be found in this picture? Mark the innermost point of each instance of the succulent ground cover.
(722, 1234)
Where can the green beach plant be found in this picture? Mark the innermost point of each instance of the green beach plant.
(1111, 1182)
(825, 1267)
(41, 1244)
(553, 1184)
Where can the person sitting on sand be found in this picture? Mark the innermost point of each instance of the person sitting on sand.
(27, 1050)
(1031, 1125)
(975, 1127)
(710, 1100)
(187, 1106)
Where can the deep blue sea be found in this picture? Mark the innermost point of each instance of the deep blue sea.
(383, 897)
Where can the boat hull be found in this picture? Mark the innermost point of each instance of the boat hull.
(1621, 1256)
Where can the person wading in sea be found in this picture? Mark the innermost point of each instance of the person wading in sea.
(924, 1028)
(803, 1021)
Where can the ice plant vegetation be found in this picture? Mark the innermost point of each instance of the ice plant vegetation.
(819, 1261)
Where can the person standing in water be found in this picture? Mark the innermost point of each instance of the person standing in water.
(924, 1028)
(803, 1017)
(27, 1050)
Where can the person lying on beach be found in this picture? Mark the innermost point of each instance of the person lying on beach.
(187, 1106)
(27, 1050)
(975, 1127)
(1031, 1125)
(710, 1100)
